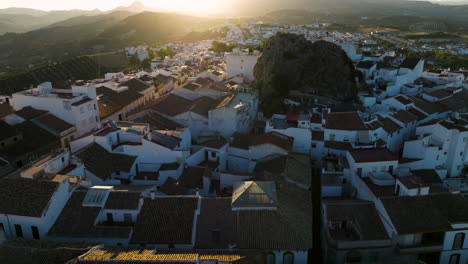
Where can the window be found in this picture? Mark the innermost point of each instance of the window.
(19, 231)
(215, 235)
(2, 228)
(458, 241)
(353, 257)
(128, 218)
(94, 106)
(35, 232)
(270, 258)
(66, 105)
(454, 259)
(288, 258)
(314, 145)
(110, 218)
(63, 159)
(397, 189)
(213, 154)
(359, 172)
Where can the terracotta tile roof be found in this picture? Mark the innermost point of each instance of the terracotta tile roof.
(103, 163)
(363, 217)
(372, 155)
(165, 220)
(418, 114)
(171, 105)
(25, 197)
(388, 125)
(110, 101)
(426, 213)
(159, 122)
(78, 221)
(339, 145)
(404, 116)
(123, 200)
(404, 100)
(410, 63)
(29, 113)
(274, 138)
(216, 215)
(345, 121)
(52, 122)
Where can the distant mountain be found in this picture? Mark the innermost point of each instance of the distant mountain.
(88, 35)
(19, 20)
(138, 7)
(30, 19)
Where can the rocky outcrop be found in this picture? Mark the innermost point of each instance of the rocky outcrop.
(290, 62)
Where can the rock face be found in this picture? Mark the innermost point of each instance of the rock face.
(290, 62)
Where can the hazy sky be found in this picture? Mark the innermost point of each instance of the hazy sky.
(181, 5)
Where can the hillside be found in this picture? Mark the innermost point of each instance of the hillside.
(103, 33)
(19, 20)
(79, 68)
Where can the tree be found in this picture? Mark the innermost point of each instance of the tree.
(221, 47)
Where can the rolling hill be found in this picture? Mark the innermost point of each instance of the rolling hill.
(88, 35)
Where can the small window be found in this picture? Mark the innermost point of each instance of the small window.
(458, 241)
(454, 259)
(63, 159)
(314, 145)
(35, 232)
(128, 218)
(288, 258)
(2, 228)
(94, 106)
(213, 154)
(19, 231)
(215, 235)
(270, 258)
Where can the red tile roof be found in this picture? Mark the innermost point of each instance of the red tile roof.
(274, 138)
(403, 100)
(372, 155)
(345, 121)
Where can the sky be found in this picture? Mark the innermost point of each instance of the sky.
(104, 5)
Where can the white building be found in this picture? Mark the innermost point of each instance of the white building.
(30, 204)
(241, 63)
(77, 106)
(440, 145)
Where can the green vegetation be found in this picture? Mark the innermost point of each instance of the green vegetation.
(79, 68)
(432, 35)
(445, 58)
(217, 46)
(167, 52)
(91, 36)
